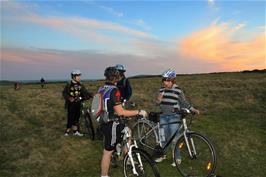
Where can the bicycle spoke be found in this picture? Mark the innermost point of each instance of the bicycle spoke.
(143, 165)
(146, 137)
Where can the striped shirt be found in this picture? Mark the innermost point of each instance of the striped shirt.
(172, 99)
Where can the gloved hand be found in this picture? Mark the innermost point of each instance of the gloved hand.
(143, 113)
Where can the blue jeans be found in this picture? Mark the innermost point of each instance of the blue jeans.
(170, 129)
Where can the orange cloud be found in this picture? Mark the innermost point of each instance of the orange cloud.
(217, 44)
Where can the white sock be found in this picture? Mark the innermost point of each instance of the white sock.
(104, 176)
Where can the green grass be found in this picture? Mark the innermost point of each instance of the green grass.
(233, 118)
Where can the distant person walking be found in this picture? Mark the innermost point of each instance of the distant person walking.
(171, 99)
(42, 82)
(16, 86)
(72, 93)
(123, 84)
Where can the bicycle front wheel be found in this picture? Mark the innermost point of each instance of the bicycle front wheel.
(195, 157)
(89, 126)
(143, 164)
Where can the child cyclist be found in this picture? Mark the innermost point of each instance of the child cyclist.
(71, 93)
(170, 99)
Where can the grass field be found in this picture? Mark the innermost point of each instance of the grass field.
(233, 117)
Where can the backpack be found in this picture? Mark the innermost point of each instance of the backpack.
(99, 104)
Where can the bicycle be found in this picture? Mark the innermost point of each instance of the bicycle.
(85, 119)
(136, 162)
(198, 156)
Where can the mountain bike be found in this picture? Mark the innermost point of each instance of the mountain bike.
(198, 156)
(85, 119)
(136, 162)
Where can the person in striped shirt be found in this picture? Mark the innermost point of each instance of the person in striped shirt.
(170, 99)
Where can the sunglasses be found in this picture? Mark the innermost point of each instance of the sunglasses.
(166, 79)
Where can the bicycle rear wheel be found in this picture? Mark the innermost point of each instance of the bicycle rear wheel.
(89, 126)
(144, 165)
(145, 136)
(202, 163)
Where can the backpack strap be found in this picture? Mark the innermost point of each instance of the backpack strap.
(106, 91)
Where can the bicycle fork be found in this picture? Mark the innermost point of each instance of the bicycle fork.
(189, 142)
(132, 161)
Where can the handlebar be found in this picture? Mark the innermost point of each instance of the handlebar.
(124, 118)
(184, 112)
(155, 116)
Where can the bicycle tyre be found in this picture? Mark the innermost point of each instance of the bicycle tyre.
(203, 163)
(139, 130)
(89, 126)
(150, 168)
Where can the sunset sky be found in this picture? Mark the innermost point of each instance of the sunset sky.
(50, 38)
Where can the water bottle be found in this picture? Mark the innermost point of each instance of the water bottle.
(162, 135)
(118, 149)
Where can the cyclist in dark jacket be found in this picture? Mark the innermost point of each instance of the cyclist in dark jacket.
(123, 84)
(72, 93)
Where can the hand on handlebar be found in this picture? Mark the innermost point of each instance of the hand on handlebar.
(196, 111)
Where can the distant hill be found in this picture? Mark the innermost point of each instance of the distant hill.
(244, 71)
(255, 71)
(144, 76)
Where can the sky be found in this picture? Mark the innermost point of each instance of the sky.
(51, 38)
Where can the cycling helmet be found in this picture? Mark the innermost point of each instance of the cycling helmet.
(75, 73)
(111, 74)
(170, 73)
(120, 67)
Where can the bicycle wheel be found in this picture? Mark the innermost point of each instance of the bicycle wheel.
(202, 163)
(98, 133)
(145, 136)
(89, 126)
(144, 165)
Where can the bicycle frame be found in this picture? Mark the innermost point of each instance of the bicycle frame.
(158, 141)
(148, 134)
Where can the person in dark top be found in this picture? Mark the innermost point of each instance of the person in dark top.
(16, 86)
(123, 84)
(42, 82)
(115, 111)
(73, 91)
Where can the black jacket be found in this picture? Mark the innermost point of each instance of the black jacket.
(75, 90)
(124, 88)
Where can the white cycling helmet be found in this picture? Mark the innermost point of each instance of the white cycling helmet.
(75, 73)
(120, 67)
(170, 73)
